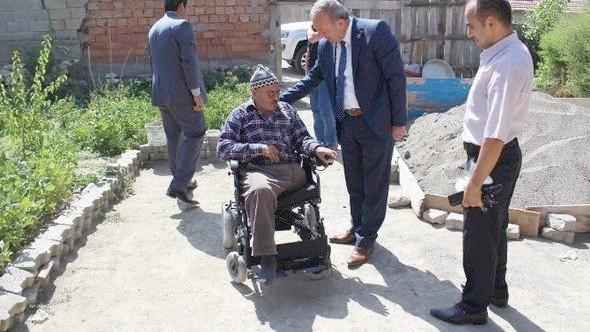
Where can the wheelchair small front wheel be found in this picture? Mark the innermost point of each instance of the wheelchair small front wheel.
(229, 240)
(236, 266)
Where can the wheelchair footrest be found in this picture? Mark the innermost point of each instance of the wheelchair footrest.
(302, 249)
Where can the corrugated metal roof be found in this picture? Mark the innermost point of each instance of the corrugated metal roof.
(521, 5)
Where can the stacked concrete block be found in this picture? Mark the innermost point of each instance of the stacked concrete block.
(435, 216)
(513, 232)
(15, 280)
(149, 152)
(209, 150)
(12, 308)
(454, 221)
(559, 227)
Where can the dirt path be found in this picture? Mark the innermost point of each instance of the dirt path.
(149, 267)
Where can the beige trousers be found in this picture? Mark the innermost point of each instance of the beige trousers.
(262, 185)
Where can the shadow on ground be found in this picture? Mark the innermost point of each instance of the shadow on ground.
(293, 303)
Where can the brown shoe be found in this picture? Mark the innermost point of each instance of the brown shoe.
(359, 256)
(345, 238)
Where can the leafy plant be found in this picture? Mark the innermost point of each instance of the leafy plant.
(113, 121)
(540, 20)
(223, 100)
(23, 107)
(565, 56)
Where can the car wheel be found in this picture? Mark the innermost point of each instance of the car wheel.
(300, 59)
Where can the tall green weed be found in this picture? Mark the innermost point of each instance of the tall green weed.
(565, 56)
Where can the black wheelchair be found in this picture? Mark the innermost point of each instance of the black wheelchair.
(296, 210)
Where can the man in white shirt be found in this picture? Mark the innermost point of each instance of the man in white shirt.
(495, 114)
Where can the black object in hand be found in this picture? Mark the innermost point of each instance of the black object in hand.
(488, 196)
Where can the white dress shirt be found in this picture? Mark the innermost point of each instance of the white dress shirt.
(349, 94)
(498, 101)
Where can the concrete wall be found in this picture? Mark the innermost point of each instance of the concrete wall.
(113, 33)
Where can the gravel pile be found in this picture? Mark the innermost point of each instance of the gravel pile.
(555, 144)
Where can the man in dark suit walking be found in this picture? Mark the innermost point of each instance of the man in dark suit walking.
(178, 90)
(360, 61)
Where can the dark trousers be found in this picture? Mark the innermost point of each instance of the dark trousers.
(185, 131)
(367, 166)
(484, 233)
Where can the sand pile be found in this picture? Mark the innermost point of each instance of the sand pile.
(555, 145)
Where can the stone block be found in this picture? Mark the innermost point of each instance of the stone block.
(435, 216)
(552, 234)
(33, 256)
(6, 321)
(58, 232)
(69, 218)
(85, 204)
(454, 221)
(13, 304)
(398, 198)
(513, 232)
(44, 275)
(561, 222)
(15, 280)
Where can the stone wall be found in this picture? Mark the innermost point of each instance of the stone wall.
(113, 33)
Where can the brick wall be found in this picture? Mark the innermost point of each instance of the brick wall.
(114, 32)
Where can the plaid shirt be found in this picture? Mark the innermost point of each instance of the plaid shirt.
(246, 131)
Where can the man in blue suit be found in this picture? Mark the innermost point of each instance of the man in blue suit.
(360, 61)
(178, 90)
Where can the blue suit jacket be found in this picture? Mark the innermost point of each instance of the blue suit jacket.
(174, 62)
(378, 71)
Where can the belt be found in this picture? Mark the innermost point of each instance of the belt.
(353, 111)
(473, 149)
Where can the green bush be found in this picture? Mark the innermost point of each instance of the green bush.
(36, 160)
(565, 56)
(538, 21)
(113, 120)
(223, 100)
(217, 77)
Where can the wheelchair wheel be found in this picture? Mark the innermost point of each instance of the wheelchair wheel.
(228, 224)
(236, 266)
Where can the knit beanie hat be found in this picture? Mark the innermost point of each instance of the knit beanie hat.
(262, 77)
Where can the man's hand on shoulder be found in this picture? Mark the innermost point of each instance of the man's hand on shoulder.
(398, 132)
(327, 156)
(271, 152)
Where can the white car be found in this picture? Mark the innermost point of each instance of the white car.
(294, 43)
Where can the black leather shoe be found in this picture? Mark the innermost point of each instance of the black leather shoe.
(181, 196)
(457, 315)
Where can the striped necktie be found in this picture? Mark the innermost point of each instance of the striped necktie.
(339, 106)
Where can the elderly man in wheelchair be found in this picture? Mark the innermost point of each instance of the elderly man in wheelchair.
(273, 160)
